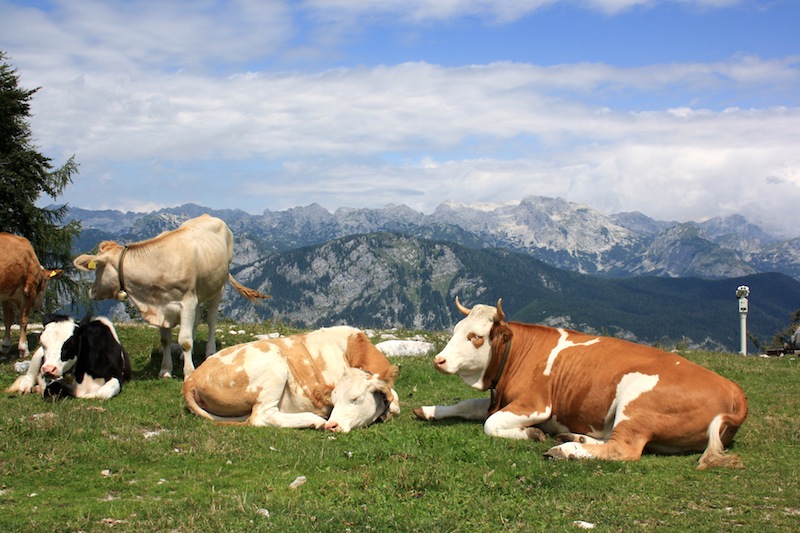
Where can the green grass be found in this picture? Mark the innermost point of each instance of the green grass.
(141, 462)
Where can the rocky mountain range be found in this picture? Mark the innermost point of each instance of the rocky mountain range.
(551, 261)
(570, 236)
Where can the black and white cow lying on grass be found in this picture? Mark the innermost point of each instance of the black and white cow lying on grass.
(82, 359)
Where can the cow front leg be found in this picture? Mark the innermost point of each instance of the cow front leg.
(31, 380)
(509, 423)
(8, 321)
(475, 409)
(270, 415)
(189, 312)
(166, 353)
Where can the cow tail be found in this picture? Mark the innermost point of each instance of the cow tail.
(251, 294)
(724, 426)
(190, 395)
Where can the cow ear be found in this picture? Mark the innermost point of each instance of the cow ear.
(500, 334)
(85, 262)
(377, 383)
(53, 274)
(86, 319)
(321, 395)
(389, 375)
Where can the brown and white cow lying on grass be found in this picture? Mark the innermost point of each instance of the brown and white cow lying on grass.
(602, 397)
(332, 378)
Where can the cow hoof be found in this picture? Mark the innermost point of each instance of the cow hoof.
(556, 453)
(165, 375)
(570, 450)
(419, 413)
(535, 434)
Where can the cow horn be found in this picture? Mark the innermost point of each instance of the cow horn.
(464, 310)
(500, 315)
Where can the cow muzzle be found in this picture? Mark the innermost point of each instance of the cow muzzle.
(440, 364)
(50, 371)
(333, 426)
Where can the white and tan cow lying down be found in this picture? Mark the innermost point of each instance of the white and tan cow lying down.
(84, 360)
(168, 277)
(602, 397)
(332, 378)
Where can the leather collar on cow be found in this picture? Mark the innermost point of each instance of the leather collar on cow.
(386, 415)
(505, 335)
(121, 295)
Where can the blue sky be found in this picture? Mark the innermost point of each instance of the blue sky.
(680, 109)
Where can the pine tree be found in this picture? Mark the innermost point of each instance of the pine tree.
(26, 174)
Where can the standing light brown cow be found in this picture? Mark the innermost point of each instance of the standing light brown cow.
(23, 281)
(168, 277)
(602, 397)
(297, 382)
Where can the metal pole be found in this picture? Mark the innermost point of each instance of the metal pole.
(742, 292)
(743, 337)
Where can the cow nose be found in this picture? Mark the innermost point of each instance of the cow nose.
(439, 361)
(332, 426)
(49, 371)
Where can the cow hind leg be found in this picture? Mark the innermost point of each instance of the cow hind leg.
(166, 353)
(626, 443)
(212, 312)
(98, 388)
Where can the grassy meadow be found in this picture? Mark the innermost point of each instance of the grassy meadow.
(141, 462)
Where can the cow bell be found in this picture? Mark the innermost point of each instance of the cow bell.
(121, 295)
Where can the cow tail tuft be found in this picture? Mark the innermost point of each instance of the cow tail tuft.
(715, 455)
(251, 294)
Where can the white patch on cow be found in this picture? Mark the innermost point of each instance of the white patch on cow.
(630, 387)
(563, 344)
(512, 425)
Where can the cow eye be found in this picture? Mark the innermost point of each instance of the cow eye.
(475, 339)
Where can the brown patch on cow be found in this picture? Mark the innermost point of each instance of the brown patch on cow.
(305, 369)
(321, 396)
(361, 353)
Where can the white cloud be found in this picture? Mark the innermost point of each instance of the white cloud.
(498, 11)
(143, 91)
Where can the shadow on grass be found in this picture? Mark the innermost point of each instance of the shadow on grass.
(153, 365)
